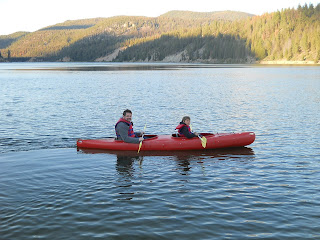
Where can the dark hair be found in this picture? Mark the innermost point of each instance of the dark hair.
(126, 111)
(185, 118)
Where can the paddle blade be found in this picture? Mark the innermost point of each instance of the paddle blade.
(203, 142)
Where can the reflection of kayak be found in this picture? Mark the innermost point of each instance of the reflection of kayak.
(234, 152)
(171, 142)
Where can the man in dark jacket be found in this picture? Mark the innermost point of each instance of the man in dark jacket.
(124, 129)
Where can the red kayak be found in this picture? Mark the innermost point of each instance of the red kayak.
(172, 142)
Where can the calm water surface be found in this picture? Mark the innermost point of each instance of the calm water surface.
(49, 190)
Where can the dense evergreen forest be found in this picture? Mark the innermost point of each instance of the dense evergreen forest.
(178, 36)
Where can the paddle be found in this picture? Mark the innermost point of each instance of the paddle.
(140, 144)
(202, 138)
(203, 141)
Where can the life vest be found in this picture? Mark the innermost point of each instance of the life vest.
(180, 126)
(130, 131)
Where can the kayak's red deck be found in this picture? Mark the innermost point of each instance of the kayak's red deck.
(172, 143)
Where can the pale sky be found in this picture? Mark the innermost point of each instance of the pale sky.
(31, 15)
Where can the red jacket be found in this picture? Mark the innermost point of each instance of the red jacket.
(180, 126)
(130, 124)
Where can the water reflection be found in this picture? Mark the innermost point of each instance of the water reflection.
(127, 163)
(221, 154)
(126, 159)
(124, 165)
(116, 67)
(125, 169)
(183, 162)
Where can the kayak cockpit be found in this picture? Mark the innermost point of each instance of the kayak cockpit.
(146, 137)
(176, 135)
(150, 137)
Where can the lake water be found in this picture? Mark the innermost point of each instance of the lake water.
(268, 190)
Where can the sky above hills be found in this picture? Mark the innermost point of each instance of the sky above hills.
(31, 15)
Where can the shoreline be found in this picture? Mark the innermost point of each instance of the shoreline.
(274, 62)
(284, 62)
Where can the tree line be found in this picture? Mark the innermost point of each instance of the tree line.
(290, 34)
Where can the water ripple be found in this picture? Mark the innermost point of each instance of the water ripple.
(49, 190)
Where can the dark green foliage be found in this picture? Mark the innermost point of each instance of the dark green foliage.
(194, 48)
(66, 27)
(7, 40)
(87, 49)
(204, 37)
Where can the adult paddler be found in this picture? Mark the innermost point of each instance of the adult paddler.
(124, 129)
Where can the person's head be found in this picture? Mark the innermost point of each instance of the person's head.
(186, 120)
(127, 115)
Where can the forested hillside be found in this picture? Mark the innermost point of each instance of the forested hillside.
(221, 15)
(180, 36)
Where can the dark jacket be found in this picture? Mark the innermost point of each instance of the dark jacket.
(184, 130)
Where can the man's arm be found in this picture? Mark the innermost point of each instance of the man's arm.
(123, 129)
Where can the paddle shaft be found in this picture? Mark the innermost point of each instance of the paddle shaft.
(140, 144)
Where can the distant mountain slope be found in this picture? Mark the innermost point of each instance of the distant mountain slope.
(74, 24)
(7, 40)
(180, 36)
(219, 15)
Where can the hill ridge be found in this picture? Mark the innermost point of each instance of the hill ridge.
(289, 34)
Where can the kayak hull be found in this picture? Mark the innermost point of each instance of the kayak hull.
(171, 142)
